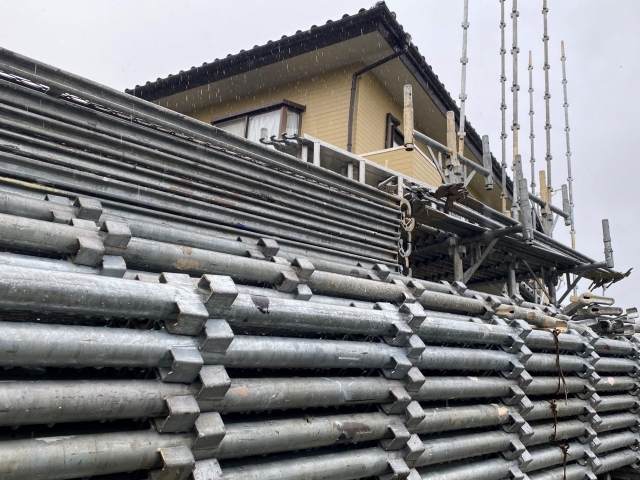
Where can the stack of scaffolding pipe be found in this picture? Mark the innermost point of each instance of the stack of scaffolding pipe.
(58, 345)
(157, 225)
(161, 309)
(56, 121)
(353, 464)
(455, 387)
(542, 458)
(32, 344)
(56, 401)
(59, 82)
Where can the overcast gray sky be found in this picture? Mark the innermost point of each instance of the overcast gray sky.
(123, 43)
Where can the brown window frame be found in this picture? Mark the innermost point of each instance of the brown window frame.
(283, 105)
(392, 132)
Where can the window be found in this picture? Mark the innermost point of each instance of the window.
(394, 138)
(273, 119)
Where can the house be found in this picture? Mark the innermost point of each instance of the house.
(337, 93)
(341, 83)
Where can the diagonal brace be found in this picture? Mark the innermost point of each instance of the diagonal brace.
(569, 288)
(472, 269)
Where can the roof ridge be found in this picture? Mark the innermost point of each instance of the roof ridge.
(377, 7)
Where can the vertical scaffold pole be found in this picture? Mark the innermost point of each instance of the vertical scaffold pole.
(531, 134)
(567, 130)
(515, 127)
(463, 81)
(503, 109)
(547, 126)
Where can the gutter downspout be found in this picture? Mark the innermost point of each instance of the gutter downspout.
(354, 83)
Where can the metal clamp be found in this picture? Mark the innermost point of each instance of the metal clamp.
(210, 431)
(287, 281)
(413, 449)
(303, 292)
(400, 401)
(399, 468)
(400, 367)
(589, 391)
(519, 425)
(524, 379)
(270, 247)
(636, 465)
(516, 474)
(588, 413)
(405, 296)
(402, 334)
(589, 458)
(90, 252)
(416, 288)
(86, 224)
(519, 399)
(88, 208)
(414, 347)
(400, 436)
(414, 314)
(382, 271)
(183, 413)
(113, 266)
(413, 415)
(414, 380)
(185, 367)
(177, 464)
(303, 267)
(118, 234)
(522, 328)
(515, 369)
(192, 314)
(516, 450)
(456, 288)
(589, 435)
(215, 337)
(208, 469)
(517, 299)
(61, 217)
(220, 290)
(521, 331)
(589, 340)
(588, 367)
(213, 383)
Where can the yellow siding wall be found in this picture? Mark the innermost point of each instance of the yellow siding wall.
(413, 164)
(326, 97)
(424, 170)
(372, 105)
